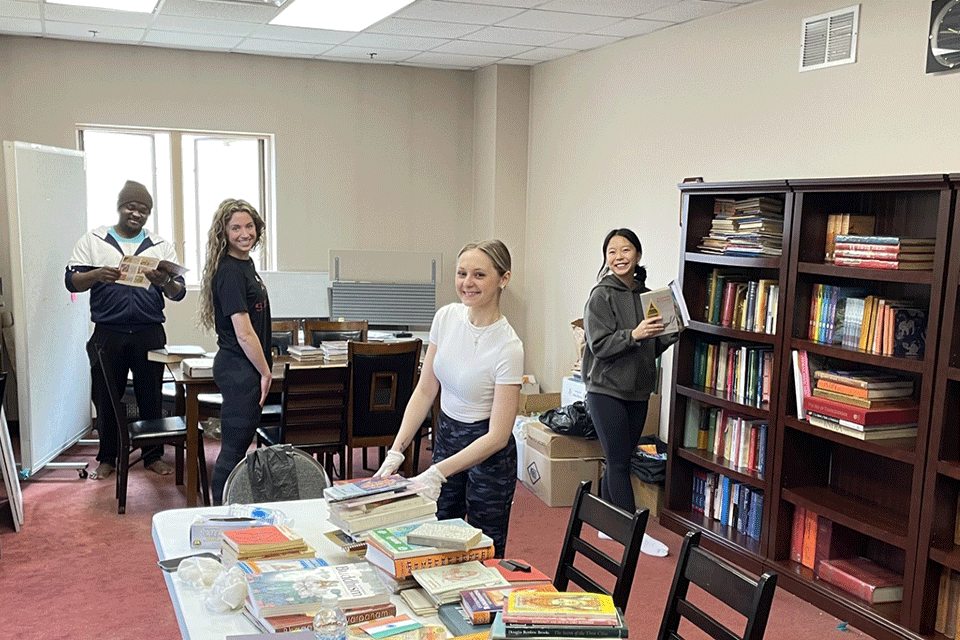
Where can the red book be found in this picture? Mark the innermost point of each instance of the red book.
(874, 263)
(883, 249)
(796, 534)
(809, 549)
(729, 296)
(884, 254)
(269, 538)
(833, 541)
(863, 417)
(863, 578)
(905, 391)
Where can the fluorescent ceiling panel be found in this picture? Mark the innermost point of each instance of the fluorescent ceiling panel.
(139, 6)
(337, 16)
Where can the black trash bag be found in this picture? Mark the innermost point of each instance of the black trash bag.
(273, 475)
(650, 469)
(571, 420)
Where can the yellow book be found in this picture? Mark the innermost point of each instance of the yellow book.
(544, 607)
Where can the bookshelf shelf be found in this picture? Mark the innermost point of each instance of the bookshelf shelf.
(909, 365)
(719, 399)
(869, 519)
(708, 460)
(894, 503)
(901, 449)
(734, 334)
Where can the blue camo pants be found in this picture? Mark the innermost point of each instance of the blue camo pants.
(482, 494)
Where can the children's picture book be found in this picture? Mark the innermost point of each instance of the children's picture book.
(538, 607)
(668, 303)
(133, 270)
(390, 626)
(363, 487)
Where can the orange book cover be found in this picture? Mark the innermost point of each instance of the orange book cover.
(404, 567)
(796, 534)
(272, 536)
(809, 550)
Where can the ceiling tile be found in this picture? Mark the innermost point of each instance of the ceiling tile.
(363, 53)
(10, 9)
(220, 10)
(688, 10)
(557, 21)
(382, 41)
(201, 25)
(632, 27)
(299, 34)
(522, 4)
(472, 62)
(63, 13)
(20, 26)
(406, 27)
(191, 40)
(515, 36)
(519, 61)
(494, 49)
(545, 53)
(280, 48)
(456, 12)
(616, 8)
(586, 41)
(106, 33)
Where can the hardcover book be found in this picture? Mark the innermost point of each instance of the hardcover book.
(865, 379)
(295, 621)
(301, 591)
(573, 608)
(405, 566)
(445, 535)
(197, 367)
(480, 604)
(499, 629)
(863, 578)
(272, 538)
(347, 489)
(860, 416)
(667, 303)
(444, 584)
(458, 621)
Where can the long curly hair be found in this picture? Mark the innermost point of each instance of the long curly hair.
(217, 249)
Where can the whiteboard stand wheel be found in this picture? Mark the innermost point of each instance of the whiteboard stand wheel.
(82, 472)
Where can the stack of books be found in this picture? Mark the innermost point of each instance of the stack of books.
(537, 614)
(443, 584)
(391, 552)
(269, 542)
(846, 224)
(884, 252)
(358, 506)
(334, 351)
(749, 227)
(866, 404)
(197, 367)
(305, 353)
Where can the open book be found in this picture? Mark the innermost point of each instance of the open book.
(133, 270)
(668, 303)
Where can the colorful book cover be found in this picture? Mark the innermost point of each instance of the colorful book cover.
(559, 608)
(361, 487)
(269, 537)
(386, 627)
(481, 604)
(300, 591)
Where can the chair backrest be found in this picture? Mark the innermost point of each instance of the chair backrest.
(316, 331)
(750, 598)
(625, 528)
(314, 405)
(311, 477)
(120, 414)
(382, 378)
(284, 333)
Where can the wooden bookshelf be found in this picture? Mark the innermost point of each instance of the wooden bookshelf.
(898, 496)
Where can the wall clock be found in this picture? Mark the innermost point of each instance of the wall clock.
(943, 45)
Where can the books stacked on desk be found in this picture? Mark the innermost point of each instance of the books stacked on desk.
(173, 353)
(538, 614)
(305, 353)
(357, 506)
(197, 367)
(269, 542)
(884, 252)
(443, 584)
(389, 549)
(334, 351)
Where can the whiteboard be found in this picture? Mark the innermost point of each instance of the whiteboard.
(298, 294)
(46, 206)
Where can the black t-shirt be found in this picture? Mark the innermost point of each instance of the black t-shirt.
(238, 288)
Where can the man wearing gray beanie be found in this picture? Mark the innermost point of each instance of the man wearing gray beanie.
(128, 319)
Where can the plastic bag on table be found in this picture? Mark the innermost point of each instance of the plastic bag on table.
(199, 572)
(227, 592)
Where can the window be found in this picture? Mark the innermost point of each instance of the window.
(186, 192)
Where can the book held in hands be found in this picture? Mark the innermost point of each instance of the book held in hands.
(667, 303)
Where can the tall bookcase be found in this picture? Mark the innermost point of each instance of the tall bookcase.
(892, 495)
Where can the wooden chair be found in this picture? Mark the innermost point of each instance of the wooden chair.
(750, 598)
(312, 413)
(311, 478)
(284, 333)
(316, 331)
(625, 528)
(382, 378)
(141, 433)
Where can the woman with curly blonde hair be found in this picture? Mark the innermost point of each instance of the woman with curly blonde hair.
(234, 302)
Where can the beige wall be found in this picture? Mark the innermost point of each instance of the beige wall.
(612, 131)
(368, 156)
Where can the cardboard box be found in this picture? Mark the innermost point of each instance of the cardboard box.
(647, 496)
(555, 445)
(554, 480)
(652, 426)
(538, 402)
(520, 427)
(572, 391)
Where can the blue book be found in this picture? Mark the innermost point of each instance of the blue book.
(724, 500)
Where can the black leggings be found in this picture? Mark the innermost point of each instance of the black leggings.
(239, 383)
(619, 425)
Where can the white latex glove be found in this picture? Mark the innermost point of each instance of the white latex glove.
(390, 464)
(432, 478)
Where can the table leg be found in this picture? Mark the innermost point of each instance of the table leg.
(193, 443)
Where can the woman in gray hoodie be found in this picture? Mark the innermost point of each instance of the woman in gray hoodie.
(619, 364)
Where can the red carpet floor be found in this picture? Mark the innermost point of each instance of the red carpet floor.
(77, 570)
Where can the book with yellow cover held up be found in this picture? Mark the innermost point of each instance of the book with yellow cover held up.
(539, 607)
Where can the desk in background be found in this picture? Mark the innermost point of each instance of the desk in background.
(171, 537)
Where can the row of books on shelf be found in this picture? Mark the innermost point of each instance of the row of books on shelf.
(846, 224)
(735, 371)
(737, 302)
(832, 552)
(884, 252)
(740, 440)
(845, 316)
(729, 502)
(745, 227)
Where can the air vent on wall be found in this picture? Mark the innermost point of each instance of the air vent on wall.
(829, 39)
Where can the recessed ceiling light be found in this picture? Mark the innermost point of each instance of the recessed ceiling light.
(138, 6)
(337, 16)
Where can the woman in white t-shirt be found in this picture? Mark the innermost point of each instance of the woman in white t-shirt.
(475, 360)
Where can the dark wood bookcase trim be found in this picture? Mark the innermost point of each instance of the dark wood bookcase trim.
(734, 334)
(872, 183)
(732, 261)
(900, 449)
(888, 362)
(727, 538)
(890, 275)
(715, 398)
(852, 513)
(953, 373)
(947, 557)
(740, 188)
(949, 468)
(711, 462)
